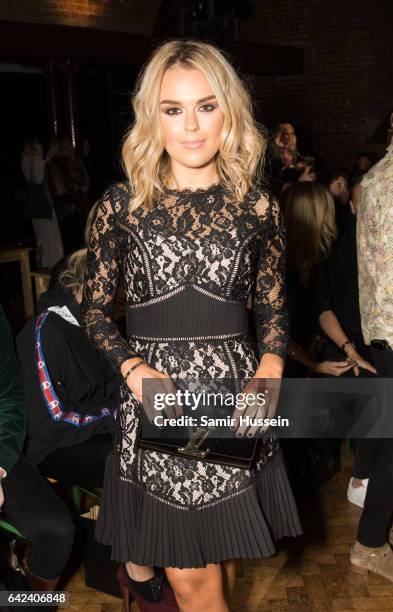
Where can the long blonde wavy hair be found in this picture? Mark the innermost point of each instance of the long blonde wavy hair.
(310, 225)
(242, 142)
(72, 278)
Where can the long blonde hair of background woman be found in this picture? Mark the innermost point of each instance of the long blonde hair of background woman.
(310, 225)
(242, 141)
(73, 277)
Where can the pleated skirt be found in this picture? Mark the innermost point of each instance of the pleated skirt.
(146, 530)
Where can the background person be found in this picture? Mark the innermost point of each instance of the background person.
(26, 498)
(68, 183)
(363, 163)
(311, 229)
(337, 296)
(39, 206)
(371, 551)
(71, 425)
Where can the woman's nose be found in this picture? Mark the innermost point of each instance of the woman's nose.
(191, 122)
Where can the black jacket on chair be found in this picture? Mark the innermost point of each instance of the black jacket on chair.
(71, 391)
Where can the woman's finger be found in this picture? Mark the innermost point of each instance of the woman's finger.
(254, 429)
(341, 370)
(273, 397)
(168, 391)
(147, 401)
(367, 366)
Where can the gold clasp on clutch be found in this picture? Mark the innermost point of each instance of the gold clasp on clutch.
(192, 447)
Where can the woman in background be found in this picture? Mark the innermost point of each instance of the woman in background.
(311, 229)
(39, 204)
(26, 498)
(68, 183)
(72, 390)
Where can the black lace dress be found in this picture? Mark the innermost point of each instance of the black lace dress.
(188, 264)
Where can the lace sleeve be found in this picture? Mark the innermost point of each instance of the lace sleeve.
(269, 304)
(101, 277)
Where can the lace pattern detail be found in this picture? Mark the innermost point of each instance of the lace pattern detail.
(224, 249)
(181, 481)
(200, 238)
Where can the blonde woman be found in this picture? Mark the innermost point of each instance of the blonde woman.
(311, 230)
(310, 225)
(285, 140)
(70, 426)
(192, 235)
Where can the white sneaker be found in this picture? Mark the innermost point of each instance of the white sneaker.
(357, 495)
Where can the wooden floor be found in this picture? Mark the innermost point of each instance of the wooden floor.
(310, 574)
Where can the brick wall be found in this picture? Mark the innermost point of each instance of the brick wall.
(345, 92)
(128, 15)
(347, 88)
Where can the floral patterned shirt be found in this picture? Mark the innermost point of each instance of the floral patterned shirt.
(375, 251)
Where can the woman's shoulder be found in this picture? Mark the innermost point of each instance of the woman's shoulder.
(263, 202)
(115, 198)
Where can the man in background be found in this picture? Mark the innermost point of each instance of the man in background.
(372, 551)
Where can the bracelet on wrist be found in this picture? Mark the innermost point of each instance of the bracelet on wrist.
(132, 368)
(347, 343)
(293, 353)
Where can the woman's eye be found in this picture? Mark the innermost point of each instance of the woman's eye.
(207, 107)
(173, 110)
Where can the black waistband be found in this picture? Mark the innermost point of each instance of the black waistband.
(188, 313)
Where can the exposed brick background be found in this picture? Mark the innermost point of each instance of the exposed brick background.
(130, 16)
(347, 89)
(345, 92)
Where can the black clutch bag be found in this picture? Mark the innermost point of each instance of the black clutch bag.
(198, 443)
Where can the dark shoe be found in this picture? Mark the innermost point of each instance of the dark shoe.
(148, 594)
(169, 603)
(36, 582)
(160, 572)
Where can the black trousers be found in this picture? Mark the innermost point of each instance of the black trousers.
(39, 513)
(378, 506)
(365, 454)
(83, 464)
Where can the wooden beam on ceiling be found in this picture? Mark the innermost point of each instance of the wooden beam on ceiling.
(37, 43)
(32, 41)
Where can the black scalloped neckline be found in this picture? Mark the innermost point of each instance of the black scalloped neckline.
(210, 189)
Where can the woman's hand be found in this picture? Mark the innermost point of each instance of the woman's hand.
(261, 397)
(308, 175)
(148, 386)
(332, 368)
(360, 362)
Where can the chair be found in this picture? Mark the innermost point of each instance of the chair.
(41, 280)
(77, 491)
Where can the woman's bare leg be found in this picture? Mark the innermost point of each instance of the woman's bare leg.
(229, 577)
(198, 590)
(139, 572)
